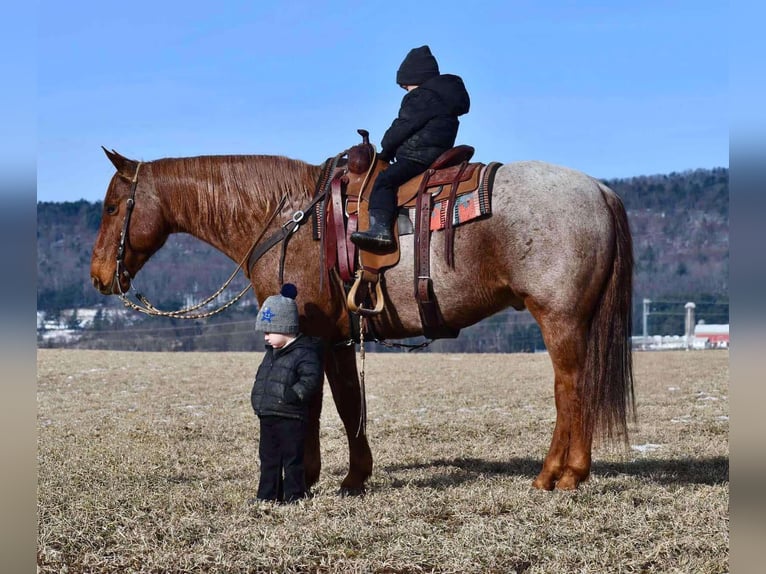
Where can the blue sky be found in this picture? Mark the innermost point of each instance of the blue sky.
(615, 89)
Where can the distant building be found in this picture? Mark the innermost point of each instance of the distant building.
(715, 336)
(705, 336)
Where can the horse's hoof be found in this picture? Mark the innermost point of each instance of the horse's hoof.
(543, 483)
(571, 480)
(352, 491)
(567, 484)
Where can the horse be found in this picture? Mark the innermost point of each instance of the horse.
(558, 243)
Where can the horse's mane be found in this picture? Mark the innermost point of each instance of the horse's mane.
(221, 189)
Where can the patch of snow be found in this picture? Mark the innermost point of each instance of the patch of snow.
(684, 419)
(648, 447)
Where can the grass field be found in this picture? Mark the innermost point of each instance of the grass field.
(146, 461)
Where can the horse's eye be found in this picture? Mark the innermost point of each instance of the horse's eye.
(111, 209)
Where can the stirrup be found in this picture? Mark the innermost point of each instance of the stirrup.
(351, 302)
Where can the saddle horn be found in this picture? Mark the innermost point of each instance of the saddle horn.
(361, 155)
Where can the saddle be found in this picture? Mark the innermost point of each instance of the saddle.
(451, 191)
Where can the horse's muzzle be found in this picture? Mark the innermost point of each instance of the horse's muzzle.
(101, 288)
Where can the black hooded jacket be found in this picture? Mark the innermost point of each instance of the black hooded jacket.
(287, 379)
(427, 123)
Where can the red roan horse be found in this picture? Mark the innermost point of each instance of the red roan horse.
(558, 243)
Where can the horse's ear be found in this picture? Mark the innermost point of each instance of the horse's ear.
(123, 165)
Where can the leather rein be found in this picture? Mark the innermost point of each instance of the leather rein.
(282, 235)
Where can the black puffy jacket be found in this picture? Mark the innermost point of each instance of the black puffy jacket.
(427, 123)
(287, 379)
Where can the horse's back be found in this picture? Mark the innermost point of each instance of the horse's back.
(536, 191)
(555, 228)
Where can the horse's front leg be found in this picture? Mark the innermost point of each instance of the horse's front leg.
(340, 367)
(312, 458)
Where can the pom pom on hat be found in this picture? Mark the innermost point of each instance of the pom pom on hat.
(289, 290)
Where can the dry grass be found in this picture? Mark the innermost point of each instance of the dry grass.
(147, 460)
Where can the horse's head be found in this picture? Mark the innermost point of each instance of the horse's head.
(132, 226)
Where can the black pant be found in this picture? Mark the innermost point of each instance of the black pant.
(383, 195)
(281, 449)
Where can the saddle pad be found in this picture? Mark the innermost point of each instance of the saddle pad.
(468, 206)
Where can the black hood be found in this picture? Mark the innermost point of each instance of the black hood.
(451, 91)
(418, 66)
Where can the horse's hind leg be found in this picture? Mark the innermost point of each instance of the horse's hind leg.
(569, 456)
(340, 367)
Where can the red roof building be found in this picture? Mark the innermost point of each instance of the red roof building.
(716, 335)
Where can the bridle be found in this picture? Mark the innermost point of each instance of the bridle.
(131, 203)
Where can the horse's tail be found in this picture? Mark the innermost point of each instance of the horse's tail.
(608, 397)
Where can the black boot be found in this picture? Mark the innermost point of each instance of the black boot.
(379, 238)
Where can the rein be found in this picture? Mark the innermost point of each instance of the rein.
(186, 313)
(251, 258)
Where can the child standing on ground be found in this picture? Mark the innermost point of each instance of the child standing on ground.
(287, 379)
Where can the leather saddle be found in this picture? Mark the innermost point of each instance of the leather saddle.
(445, 171)
(449, 177)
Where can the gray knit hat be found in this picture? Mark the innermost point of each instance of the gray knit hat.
(279, 313)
